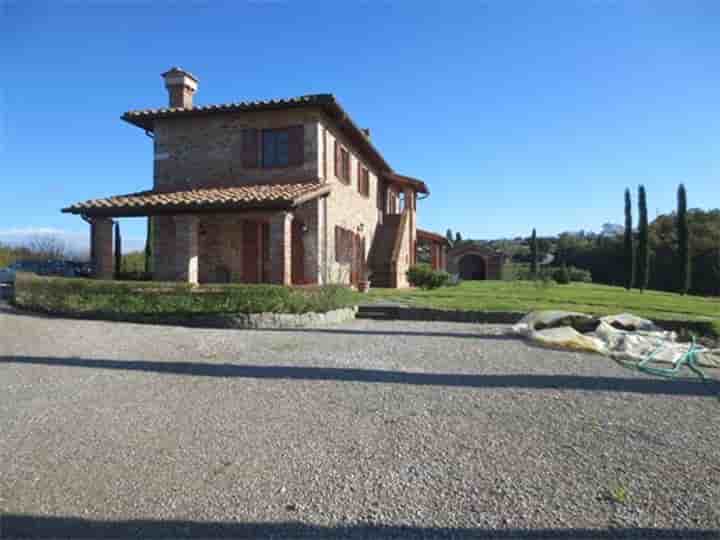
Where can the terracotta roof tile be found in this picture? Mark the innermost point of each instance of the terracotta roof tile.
(136, 116)
(401, 179)
(145, 118)
(429, 235)
(248, 196)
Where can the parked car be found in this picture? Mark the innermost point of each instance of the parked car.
(7, 274)
(83, 269)
(59, 268)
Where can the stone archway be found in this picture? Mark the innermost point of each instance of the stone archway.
(473, 267)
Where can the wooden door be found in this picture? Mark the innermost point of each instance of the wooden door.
(298, 254)
(357, 262)
(265, 262)
(250, 252)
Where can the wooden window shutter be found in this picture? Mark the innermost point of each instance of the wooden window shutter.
(338, 165)
(249, 148)
(296, 145)
(324, 150)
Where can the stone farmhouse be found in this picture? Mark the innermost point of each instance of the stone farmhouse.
(287, 191)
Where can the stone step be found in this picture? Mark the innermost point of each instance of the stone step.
(378, 312)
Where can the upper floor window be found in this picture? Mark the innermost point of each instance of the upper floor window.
(363, 180)
(275, 148)
(270, 148)
(342, 163)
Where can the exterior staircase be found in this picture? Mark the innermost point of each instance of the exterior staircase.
(380, 260)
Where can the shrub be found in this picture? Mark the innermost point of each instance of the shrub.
(561, 275)
(423, 276)
(580, 275)
(567, 274)
(63, 295)
(126, 275)
(453, 280)
(543, 279)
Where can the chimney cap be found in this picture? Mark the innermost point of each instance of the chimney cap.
(175, 71)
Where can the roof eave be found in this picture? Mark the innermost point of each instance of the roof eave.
(152, 210)
(432, 236)
(415, 183)
(326, 102)
(155, 210)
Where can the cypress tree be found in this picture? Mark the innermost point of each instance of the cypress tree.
(449, 236)
(533, 254)
(148, 246)
(458, 238)
(118, 249)
(643, 249)
(683, 235)
(629, 243)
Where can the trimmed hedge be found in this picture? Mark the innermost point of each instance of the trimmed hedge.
(422, 275)
(74, 295)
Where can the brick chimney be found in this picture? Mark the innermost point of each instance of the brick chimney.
(181, 86)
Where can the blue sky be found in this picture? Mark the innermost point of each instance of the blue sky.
(517, 114)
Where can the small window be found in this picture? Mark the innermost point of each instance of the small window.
(345, 165)
(275, 148)
(363, 181)
(343, 244)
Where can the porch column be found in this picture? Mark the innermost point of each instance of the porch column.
(434, 261)
(186, 248)
(281, 248)
(410, 209)
(101, 233)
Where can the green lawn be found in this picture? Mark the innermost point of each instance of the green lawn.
(583, 297)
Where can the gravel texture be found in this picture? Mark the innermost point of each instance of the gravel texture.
(367, 429)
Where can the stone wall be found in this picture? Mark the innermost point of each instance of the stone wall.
(404, 260)
(206, 151)
(186, 247)
(196, 152)
(280, 248)
(494, 262)
(163, 231)
(221, 254)
(345, 207)
(220, 245)
(103, 241)
(311, 214)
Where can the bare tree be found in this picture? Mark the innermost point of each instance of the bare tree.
(47, 247)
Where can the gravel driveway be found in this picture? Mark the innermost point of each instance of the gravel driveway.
(370, 429)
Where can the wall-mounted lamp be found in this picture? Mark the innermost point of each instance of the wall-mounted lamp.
(304, 228)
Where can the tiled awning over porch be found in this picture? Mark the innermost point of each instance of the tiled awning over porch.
(256, 196)
(201, 231)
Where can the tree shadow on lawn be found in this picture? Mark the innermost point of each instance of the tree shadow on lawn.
(31, 526)
(638, 385)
